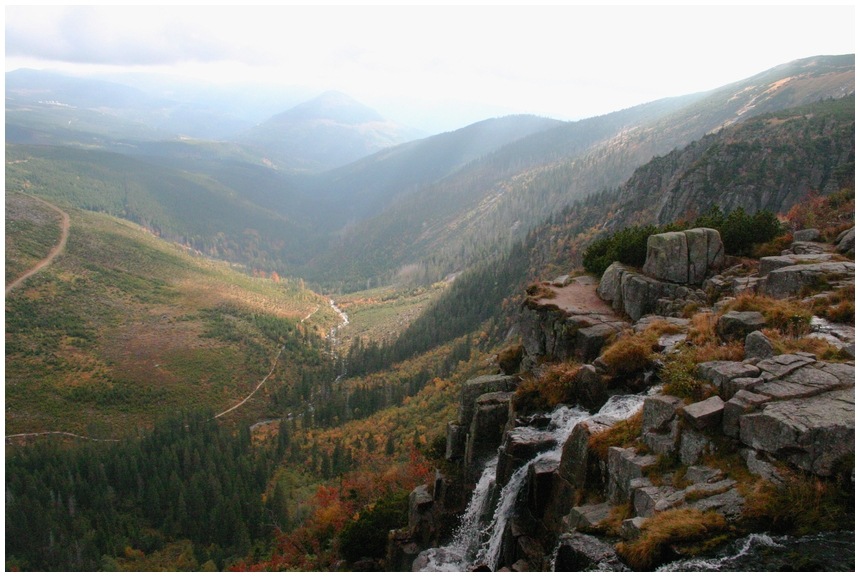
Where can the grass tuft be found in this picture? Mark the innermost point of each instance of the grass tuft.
(670, 530)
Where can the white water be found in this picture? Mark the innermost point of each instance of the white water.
(562, 422)
(332, 336)
(476, 545)
(746, 545)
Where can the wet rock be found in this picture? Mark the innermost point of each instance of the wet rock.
(521, 445)
(578, 552)
(812, 434)
(587, 516)
(704, 414)
(736, 325)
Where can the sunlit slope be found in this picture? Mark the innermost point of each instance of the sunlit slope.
(123, 327)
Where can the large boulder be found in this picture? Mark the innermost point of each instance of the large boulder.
(845, 242)
(813, 434)
(667, 257)
(684, 257)
(736, 325)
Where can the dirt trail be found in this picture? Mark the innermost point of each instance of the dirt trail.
(243, 401)
(58, 248)
(580, 298)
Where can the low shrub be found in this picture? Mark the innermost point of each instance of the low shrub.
(545, 391)
(804, 503)
(367, 535)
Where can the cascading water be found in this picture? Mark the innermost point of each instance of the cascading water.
(475, 544)
(762, 552)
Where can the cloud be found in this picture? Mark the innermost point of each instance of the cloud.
(116, 35)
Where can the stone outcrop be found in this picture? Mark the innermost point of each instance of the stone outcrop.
(792, 280)
(637, 295)
(774, 410)
(572, 324)
(578, 552)
(684, 257)
(813, 434)
(845, 242)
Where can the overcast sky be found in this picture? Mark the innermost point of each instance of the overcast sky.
(563, 61)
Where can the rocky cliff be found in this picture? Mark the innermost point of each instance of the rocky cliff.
(726, 414)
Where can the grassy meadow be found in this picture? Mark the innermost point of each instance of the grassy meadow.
(124, 326)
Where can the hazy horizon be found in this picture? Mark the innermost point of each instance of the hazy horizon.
(436, 68)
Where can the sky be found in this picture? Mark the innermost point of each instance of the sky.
(439, 66)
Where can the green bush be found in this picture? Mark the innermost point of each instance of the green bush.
(367, 536)
(628, 246)
(739, 231)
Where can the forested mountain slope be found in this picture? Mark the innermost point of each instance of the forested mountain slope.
(766, 163)
(476, 213)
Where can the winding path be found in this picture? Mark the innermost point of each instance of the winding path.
(64, 433)
(58, 248)
(243, 401)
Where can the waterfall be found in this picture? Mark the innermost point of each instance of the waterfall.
(475, 543)
(467, 539)
(562, 422)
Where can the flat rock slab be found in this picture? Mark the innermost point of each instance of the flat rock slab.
(813, 434)
(580, 298)
(704, 414)
(781, 365)
(791, 280)
(771, 263)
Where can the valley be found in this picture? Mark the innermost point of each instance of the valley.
(252, 352)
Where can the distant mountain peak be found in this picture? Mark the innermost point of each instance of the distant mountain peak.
(333, 106)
